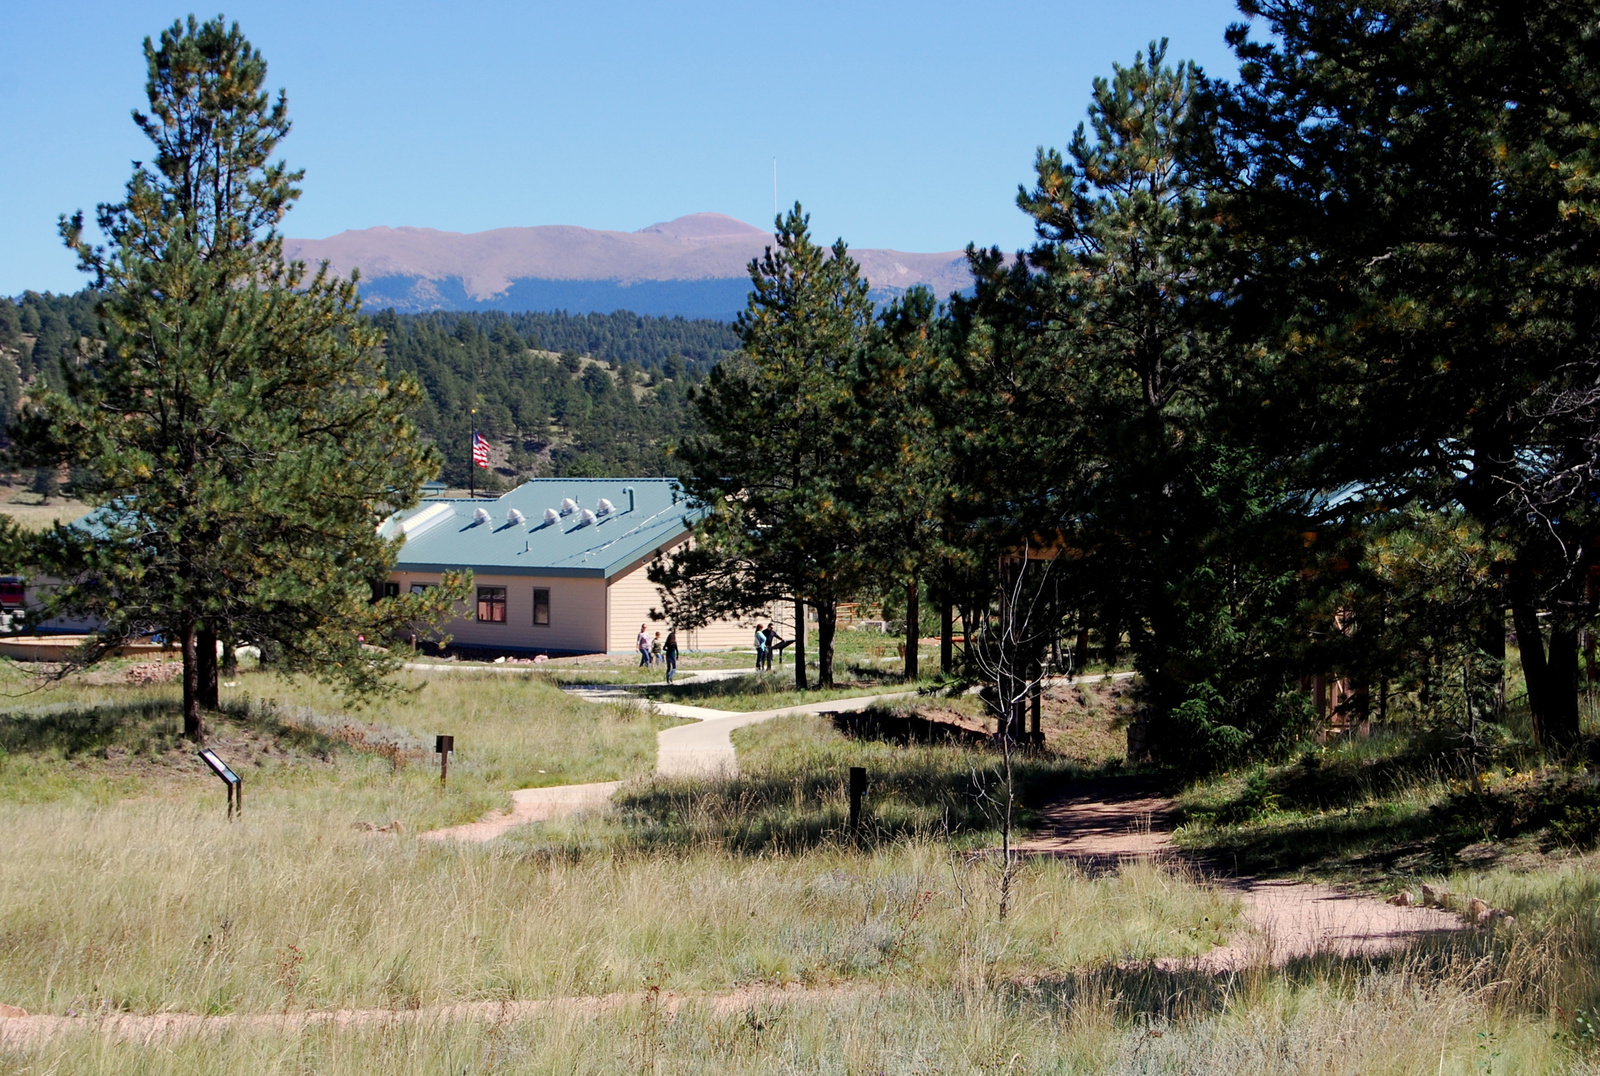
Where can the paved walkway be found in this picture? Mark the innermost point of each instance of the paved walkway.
(702, 749)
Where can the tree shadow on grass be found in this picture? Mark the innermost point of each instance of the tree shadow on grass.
(925, 779)
(73, 729)
(1171, 992)
(144, 727)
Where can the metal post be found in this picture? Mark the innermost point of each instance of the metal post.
(858, 787)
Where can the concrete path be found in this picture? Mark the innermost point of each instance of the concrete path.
(706, 749)
(702, 749)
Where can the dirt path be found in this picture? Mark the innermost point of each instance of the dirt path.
(1112, 821)
(32, 1031)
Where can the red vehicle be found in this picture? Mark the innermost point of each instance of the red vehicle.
(10, 592)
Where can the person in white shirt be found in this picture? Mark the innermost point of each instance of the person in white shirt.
(644, 646)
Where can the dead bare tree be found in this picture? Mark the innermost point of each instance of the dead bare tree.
(1012, 662)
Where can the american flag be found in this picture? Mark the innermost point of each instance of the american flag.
(480, 450)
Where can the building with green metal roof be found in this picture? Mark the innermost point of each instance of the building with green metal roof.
(558, 563)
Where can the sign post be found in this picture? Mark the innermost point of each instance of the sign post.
(444, 745)
(858, 787)
(234, 782)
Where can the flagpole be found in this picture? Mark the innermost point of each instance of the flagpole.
(472, 461)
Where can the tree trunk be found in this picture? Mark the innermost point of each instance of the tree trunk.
(1110, 632)
(1530, 641)
(799, 645)
(205, 645)
(193, 728)
(947, 635)
(827, 619)
(913, 629)
(1561, 681)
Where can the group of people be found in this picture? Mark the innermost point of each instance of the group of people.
(768, 644)
(656, 652)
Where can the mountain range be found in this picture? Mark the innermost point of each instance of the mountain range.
(694, 266)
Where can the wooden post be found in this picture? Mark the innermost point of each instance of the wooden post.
(858, 787)
(444, 745)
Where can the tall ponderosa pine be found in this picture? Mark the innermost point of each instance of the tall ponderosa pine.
(777, 464)
(236, 429)
(902, 479)
(1102, 377)
(1422, 217)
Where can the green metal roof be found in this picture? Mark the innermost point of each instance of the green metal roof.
(586, 541)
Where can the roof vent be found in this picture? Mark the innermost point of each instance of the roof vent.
(515, 518)
(568, 506)
(551, 515)
(480, 516)
(586, 517)
(604, 508)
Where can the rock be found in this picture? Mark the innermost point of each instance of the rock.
(12, 1012)
(1401, 899)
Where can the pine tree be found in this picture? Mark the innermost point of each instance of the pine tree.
(236, 430)
(1101, 384)
(903, 479)
(777, 465)
(1418, 221)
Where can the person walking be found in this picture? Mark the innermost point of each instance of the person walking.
(773, 649)
(643, 643)
(761, 648)
(670, 653)
(655, 649)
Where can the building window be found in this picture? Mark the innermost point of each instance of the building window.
(541, 605)
(492, 605)
(419, 588)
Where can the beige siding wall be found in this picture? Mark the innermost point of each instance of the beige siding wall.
(577, 613)
(632, 598)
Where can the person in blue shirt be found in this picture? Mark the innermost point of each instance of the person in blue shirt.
(763, 658)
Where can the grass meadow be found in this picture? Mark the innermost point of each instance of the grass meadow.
(728, 925)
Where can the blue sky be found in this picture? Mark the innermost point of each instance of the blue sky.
(897, 124)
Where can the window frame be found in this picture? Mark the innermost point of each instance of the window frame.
(487, 596)
(545, 605)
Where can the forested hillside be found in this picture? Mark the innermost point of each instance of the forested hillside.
(556, 393)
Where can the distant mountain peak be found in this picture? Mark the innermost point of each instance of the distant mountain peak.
(695, 265)
(703, 226)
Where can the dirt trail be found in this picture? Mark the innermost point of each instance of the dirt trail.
(27, 1032)
(1111, 821)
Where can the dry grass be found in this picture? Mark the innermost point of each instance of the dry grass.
(33, 516)
(1106, 1023)
(139, 898)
